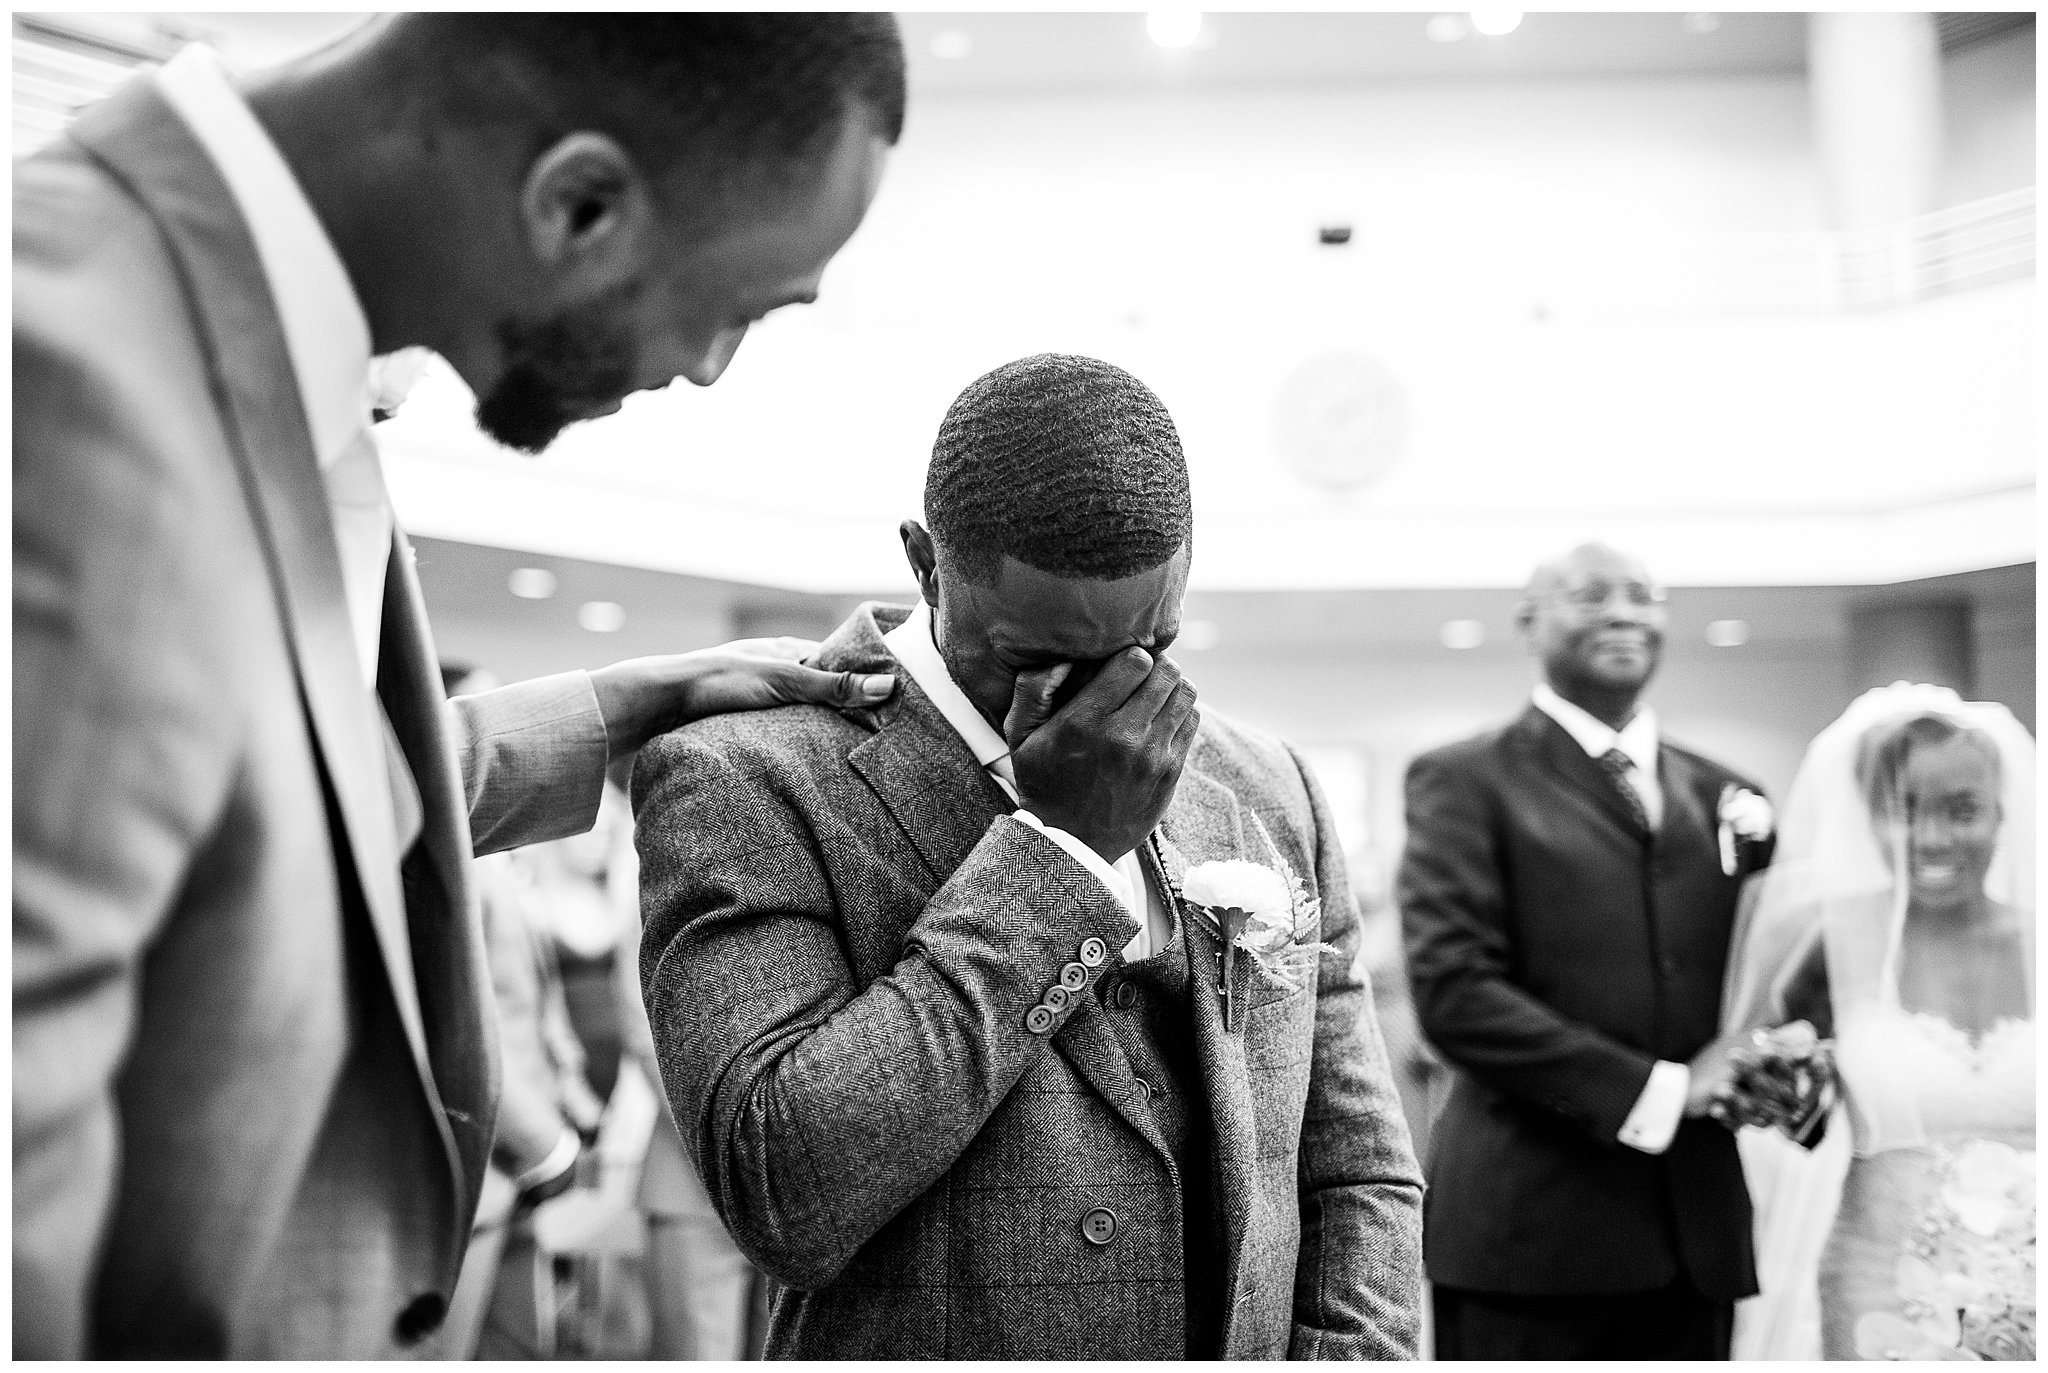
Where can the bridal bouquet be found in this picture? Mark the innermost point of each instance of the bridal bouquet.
(1966, 1280)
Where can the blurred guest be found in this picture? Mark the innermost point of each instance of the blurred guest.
(254, 1079)
(545, 1107)
(960, 1004)
(1568, 890)
(586, 917)
(1898, 920)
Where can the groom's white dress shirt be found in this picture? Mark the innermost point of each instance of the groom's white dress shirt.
(1653, 1121)
(916, 651)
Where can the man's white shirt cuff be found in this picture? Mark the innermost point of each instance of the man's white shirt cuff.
(554, 1165)
(1119, 887)
(1653, 1121)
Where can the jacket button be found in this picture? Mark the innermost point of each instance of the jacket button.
(1125, 996)
(1056, 997)
(1038, 1020)
(421, 1317)
(1093, 953)
(1145, 1089)
(1074, 977)
(1098, 1226)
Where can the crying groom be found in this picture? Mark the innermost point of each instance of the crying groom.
(955, 1054)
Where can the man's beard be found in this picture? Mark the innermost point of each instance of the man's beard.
(559, 369)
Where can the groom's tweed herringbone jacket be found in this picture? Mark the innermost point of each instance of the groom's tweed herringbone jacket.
(844, 935)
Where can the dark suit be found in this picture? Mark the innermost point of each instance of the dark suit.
(1557, 951)
(845, 938)
(254, 1070)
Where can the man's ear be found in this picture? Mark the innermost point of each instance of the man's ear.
(924, 560)
(1525, 621)
(587, 209)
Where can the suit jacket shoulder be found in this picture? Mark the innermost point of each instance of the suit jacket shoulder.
(1252, 763)
(1478, 752)
(1719, 772)
(783, 751)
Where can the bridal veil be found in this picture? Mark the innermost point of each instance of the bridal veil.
(1837, 886)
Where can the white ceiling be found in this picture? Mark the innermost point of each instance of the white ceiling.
(1032, 53)
(1076, 188)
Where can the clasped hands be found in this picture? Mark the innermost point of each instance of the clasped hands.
(1771, 1078)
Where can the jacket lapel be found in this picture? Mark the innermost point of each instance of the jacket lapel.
(449, 950)
(929, 781)
(927, 778)
(1206, 823)
(1562, 756)
(146, 145)
(943, 799)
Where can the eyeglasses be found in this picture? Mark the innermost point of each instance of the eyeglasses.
(1595, 595)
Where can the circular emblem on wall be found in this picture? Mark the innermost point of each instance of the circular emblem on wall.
(1341, 420)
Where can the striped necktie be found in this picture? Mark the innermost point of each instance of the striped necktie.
(1618, 765)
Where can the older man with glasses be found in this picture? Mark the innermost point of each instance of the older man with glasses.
(1567, 893)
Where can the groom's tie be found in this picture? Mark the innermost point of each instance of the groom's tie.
(1617, 766)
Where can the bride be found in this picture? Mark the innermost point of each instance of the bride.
(1897, 918)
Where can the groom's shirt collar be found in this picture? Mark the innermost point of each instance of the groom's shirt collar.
(325, 330)
(917, 651)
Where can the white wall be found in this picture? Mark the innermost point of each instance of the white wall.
(1514, 242)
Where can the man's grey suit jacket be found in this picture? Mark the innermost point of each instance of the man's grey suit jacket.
(254, 1068)
(844, 935)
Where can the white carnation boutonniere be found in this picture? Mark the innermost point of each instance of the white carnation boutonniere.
(1261, 910)
(1745, 818)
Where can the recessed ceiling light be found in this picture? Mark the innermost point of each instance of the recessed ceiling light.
(1462, 634)
(1197, 635)
(1698, 22)
(1448, 28)
(950, 45)
(531, 583)
(601, 617)
(1495, 23)
(1728, 633)
(1174, 28)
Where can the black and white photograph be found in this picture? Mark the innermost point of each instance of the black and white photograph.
(1024, 685)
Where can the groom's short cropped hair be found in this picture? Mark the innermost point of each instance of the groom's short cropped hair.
(1064, 463)
(741, 102)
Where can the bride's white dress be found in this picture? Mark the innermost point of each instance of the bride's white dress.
(1932, 1248)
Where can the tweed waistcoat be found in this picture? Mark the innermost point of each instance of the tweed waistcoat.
(1154, 1022)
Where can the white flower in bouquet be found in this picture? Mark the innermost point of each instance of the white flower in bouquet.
(1981, 1193)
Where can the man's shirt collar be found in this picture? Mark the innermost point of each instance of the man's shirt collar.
(325, 331)
(1637, 738)
(917, 652)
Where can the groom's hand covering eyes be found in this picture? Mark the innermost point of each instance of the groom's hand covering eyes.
(1102, 766)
